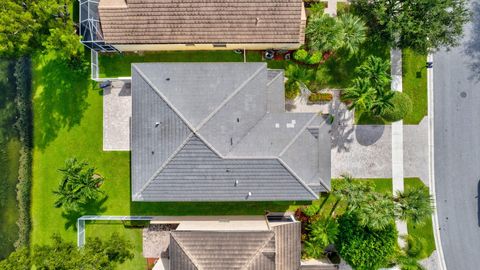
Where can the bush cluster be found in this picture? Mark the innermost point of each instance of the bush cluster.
(304, 57)
(23, 125)
(402, 105)
(318, 97)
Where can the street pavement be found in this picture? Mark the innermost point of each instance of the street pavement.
(456, 82)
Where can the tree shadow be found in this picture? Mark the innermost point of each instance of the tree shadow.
(62, 101)
(92, 208)
(368, 135)
(341, 133)
(472, 47)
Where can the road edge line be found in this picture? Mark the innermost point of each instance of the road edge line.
(431, 165)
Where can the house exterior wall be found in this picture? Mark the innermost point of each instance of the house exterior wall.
(200, 47)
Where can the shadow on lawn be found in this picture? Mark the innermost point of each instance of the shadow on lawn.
(62, 102)
(93, 208)
(209, 208)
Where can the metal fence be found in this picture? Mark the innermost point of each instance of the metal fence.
(81, 224)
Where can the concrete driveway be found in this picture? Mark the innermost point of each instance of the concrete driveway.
(365, 151)
(117, 112)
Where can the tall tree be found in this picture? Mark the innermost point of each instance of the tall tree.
(414, 205)
(418, 24)
(79, 185)
(354, 32)
(17, 28)
(376, 70)
(323, 33)
(361, 94)
(17, 260)
(96, 254)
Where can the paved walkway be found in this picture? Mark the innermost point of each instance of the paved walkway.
(117, 111)
(397, 139)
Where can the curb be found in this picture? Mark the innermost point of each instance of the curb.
(431, 165)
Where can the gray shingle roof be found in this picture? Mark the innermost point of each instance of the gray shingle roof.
(182, 151)
(201, 21)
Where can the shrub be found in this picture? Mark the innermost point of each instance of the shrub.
(311, 210)
(23, 125)
(292, 90)
(318, 97)
(402, 105)
(321, 233)
(315, 58)
(300, 55)
(363, 248)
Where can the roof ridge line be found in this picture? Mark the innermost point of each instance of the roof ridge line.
(165, 163)
(225, 101)
(297, 135)
(190, 257)
(274, 78)
(258, 251)
(183, 118)
(297, 177)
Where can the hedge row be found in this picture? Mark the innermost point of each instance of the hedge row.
(318, 97)
(23, 124)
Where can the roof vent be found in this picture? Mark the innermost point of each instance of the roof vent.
(236, 183)
(277, 125)
(167, 79)
(257, 21)
(153, 152)
(291, 124)
(157, 124)
(249, 194)
(238, 120)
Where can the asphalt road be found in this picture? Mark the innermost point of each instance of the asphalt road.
(457, 147)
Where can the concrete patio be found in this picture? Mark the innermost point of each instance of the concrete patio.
(117, 111)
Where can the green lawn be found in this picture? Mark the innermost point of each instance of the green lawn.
(68, 123)
(118, 65)
(329, 202)
(415, 85)
(423, 232)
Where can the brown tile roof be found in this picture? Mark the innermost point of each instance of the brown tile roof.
(202, 21)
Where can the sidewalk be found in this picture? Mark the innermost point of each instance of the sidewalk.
(397, 139)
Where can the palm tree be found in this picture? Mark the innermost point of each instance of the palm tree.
(78, 186)
(382, 102)
(321, 234)
(361, 94)
(324, 33)
(297, 76)
(354, 32)
(414, 205)
(376, 211)
(351, 191)
(376, 70)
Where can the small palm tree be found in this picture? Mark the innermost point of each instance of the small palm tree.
(382, 102)
(323, 32)
(414, 205)
(299, 74)
(321, 234)
(78, 186)
(354, 32)
(376, 70)
(352, 191)
(376, 211)
(361, 94)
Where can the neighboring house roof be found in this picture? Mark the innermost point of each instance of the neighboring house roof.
(206, 21)
(219, 131)
(276, 249)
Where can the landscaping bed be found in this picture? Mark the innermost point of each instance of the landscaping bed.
(423, 232)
